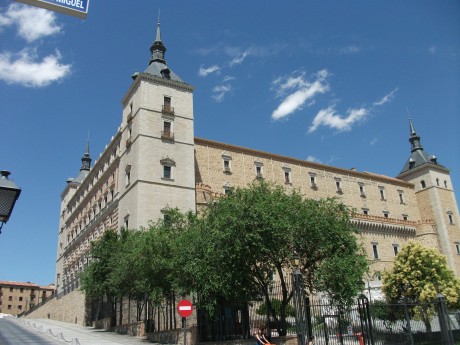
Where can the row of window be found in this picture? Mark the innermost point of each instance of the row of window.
(258, 166)
(375, 250)
(423, 183)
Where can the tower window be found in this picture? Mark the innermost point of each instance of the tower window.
(445, 183)
(451, 217)
(127, 177)
(375, 250)
(361, 190)
(167, 103)
(437, 182)
(457, 248)
(423, 184)
(395, 249)
(382, 193)
(166, 171)
(401, 196)
(167, 132)
(168, 165)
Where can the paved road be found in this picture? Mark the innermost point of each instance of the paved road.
(13, 333)
(56, 332)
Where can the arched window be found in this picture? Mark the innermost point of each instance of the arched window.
(423, 184)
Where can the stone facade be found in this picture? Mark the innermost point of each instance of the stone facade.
(154, 162)
(18, 297)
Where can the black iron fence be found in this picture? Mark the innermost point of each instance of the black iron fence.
(361, 323)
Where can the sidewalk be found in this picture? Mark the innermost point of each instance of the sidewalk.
(79, 335)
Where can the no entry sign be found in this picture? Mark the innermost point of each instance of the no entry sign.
(185, 308)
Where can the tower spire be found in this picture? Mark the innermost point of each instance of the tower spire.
(414, 139)
(86, 159)
(157, 48)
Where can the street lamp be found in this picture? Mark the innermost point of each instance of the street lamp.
(9, 193)
(299, 300)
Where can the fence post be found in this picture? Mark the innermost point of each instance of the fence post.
(443, 315)
(406, 313)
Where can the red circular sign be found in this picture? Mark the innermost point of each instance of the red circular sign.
(185, 308)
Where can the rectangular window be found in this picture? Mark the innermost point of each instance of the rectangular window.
(9, 306)
(10, 298)
(226, 161)
(259, 173)
(21, 290)
(405, 216)
(167, 172)
(313, 181)
(401, 196)
(362, 192)
(19, 307)
(128, 177)
(395, 249)
(11, 289)
(20, 299)
(382, 193)
(338, 186)
(457, 248)
(287, 176)
(375, 250)
(167, 102)
(451, 218)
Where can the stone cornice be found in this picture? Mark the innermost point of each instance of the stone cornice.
(387, 225)
(307, 164)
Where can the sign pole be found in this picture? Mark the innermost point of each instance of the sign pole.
(184, 322)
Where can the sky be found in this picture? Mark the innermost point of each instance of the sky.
(328, 81)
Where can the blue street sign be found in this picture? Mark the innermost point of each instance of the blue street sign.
(76, 8)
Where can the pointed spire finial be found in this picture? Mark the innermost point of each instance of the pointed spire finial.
(86, 159)
(157, 48)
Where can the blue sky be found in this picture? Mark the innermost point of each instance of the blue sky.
(329, 81)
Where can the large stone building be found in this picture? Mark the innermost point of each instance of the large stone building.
(154, 162)
(17, 297)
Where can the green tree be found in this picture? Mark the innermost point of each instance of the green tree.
(233, 250)
(419, 274)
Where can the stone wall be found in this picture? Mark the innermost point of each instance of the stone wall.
(68, 308)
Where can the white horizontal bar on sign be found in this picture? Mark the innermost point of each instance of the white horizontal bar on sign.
(185, 307)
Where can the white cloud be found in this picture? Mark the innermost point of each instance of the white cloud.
(228, 78)
(387, 98)
(33, 23)
(24, 70)
(204, 72)
(300, 91)
(373, 141)
(313, 159)
(220, 91)
(349, 50)
(239, 59)
(328, 117)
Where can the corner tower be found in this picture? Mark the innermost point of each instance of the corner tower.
(435, 197)
(156, 169)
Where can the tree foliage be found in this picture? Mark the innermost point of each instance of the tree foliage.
(231, 252)
(419, 274)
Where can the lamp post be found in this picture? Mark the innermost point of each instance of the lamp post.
(9, 193)
(299, 300)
